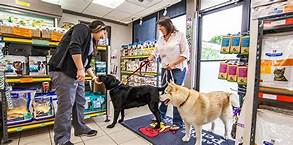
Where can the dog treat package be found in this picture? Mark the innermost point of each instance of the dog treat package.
(101, 67)
(223, 71)
(37, 66)
(226, 44)
(95, 101)
(21, 110)
(15, 65)
(236, 44)
(43, 107)
(232, 73)
(242, 74)
(277, 62)
(273, 128)
(245, 40)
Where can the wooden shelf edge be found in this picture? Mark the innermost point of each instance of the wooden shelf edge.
(276, 91)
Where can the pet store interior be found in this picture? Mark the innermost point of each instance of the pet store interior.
(221, 69)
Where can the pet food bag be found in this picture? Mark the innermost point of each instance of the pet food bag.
(95, 101)
(37, 66)
(15, 65)
(273, 128)
(43, 107)
(223, 71)
(245, 41)
(226, 44)
(277, 61)
(236, 44)
(242, 74)
(232, 73)
(20, 110)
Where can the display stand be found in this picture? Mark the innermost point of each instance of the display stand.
(277, 98)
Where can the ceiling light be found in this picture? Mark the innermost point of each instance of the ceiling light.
(140, 22)
(109, 3)
(56, 2)
(165, 12)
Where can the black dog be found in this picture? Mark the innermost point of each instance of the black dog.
(125, 97)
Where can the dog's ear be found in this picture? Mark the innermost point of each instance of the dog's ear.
(171, 82)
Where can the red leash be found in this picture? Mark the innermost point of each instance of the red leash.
(138, 69)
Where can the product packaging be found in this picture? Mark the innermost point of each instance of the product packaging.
(277, 61)
(232, 73)
(43, 106)
(226, 44)
(95, 101)
(245, 40)
(15, 65)
(242, 74)
(37, 66)
(21, 110)
(273, 128)
(236, 44)
(223, 71)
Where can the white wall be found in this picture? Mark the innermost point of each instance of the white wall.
(120, 34)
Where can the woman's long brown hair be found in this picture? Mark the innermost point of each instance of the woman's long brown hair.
(167, 23)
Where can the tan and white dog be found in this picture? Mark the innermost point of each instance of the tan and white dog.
(197, 109)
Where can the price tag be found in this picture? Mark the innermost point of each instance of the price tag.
(26, 80)
(19, 129)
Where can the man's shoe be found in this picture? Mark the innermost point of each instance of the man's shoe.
(89, 134)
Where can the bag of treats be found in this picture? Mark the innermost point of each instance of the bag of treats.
(236, 43)
(223, 71)
(242, 74)
(43, 107)
(232, 73)
(15, 65)
(245, 40)
(225, 44)
(21, 107)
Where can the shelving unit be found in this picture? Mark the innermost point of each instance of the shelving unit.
(268, 96)
(34, 42)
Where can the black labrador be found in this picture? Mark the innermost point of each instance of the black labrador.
(125, 97)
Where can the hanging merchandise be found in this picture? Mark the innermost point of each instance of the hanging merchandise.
(242, 74)
(37, 66)
(43, 106)
(277, 61)
(273, 128)
(226, 44)
(245, 41)
(236, 44)
(223, 70)
(15, 65)
(232, 72)
(21, 110)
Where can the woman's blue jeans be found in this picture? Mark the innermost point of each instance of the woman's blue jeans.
(179, 78)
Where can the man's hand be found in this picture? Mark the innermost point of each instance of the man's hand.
(80, 75)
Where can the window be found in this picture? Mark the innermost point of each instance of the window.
(146, 31)
(227, 21)
(210, 3)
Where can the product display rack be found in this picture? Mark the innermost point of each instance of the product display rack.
(34, 42)
(267, 96)
(142, 73)
(25, 79)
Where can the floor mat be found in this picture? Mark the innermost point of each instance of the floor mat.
(169, 138)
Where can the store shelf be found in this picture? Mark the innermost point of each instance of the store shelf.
(278, 29)
(37, 42)
(276, 91)
(43, 123)
(27, 79)
(31, 125)
(277, 16)
(135, 56)
(137, 73)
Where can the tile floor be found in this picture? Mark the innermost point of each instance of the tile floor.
(119, 135)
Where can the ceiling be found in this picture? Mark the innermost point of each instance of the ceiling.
(127, 12)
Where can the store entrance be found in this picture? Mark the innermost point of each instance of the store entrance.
(212, 26)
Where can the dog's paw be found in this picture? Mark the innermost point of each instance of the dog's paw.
(186, 138)
(120, 121)
(110, 126)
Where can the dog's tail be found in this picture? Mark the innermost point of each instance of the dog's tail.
(233, 99)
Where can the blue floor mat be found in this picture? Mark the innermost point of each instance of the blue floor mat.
(169, 138)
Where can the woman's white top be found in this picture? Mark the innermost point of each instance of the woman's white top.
(170, 50)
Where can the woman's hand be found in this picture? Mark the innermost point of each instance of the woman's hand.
(80, 75)
(170, 66)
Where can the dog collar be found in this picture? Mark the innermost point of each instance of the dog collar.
(116, 86)
(185, 100)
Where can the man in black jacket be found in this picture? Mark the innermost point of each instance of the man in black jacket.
(67, 68)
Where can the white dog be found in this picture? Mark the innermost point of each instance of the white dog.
(197, 109)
